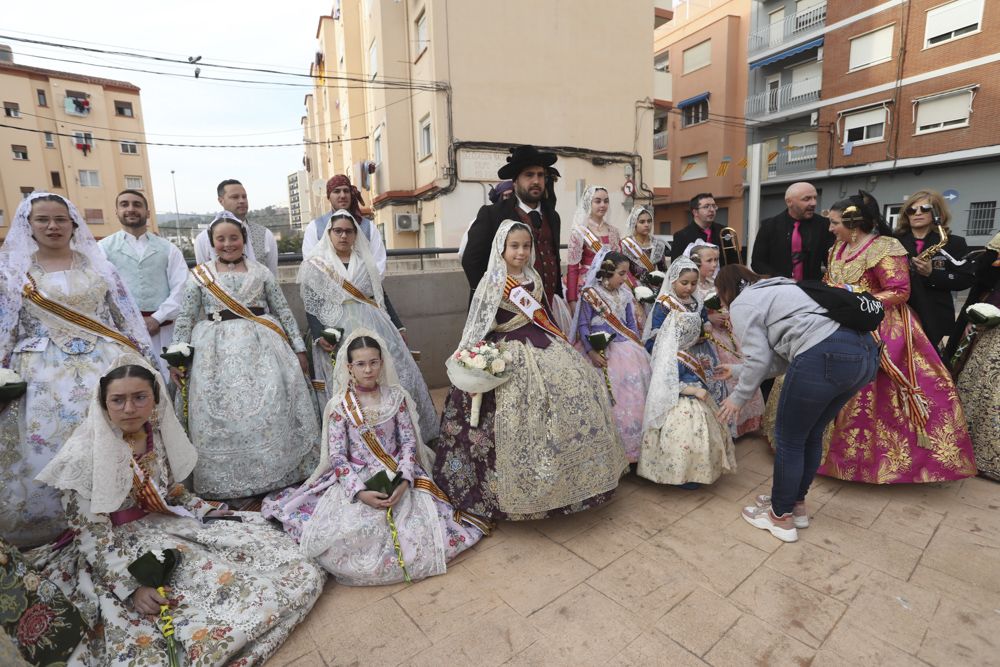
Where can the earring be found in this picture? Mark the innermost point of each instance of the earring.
(154, 420)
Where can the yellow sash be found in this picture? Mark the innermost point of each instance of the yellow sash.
(353, 411)
(529, 306)
(692, 363)
(204, 277)
(348, 286)
(31, 293)
(634, 249)
(592, 240)
(591, 296)
(148, 497)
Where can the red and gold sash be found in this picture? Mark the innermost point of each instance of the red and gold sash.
(529, 306)
(67, 314)
(691, 362)
(148, 497)
(353, 411)
(348, 286)
(204, 277)
(634, 249)
(591, 296)
(669, 302)
(914, 399)
(592, 240)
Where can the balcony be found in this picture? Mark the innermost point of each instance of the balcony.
(660, 142)
(663, 87)
(784, 98)
(793, 28)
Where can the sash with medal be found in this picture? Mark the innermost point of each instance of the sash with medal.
(522, 299)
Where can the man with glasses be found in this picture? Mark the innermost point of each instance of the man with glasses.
(703, 226)
(794, 243)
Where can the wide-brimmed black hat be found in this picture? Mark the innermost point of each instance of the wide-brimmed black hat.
(522, 157)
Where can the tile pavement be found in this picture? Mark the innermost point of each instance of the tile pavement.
(660, 576)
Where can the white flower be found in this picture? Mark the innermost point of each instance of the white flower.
(159, 555)
(463, 355)
(390, 474)
(507, 356)
(642, 292)
(498, 366)
(7, 376)
(180, 348)
(478, 362)
(334, 333)
(984, 310)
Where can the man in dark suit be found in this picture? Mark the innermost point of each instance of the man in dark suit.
(703, 226)
(528, 168)
(794, 243)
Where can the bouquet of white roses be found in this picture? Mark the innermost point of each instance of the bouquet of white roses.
(481, 368)
(654, 279)
(643, 294)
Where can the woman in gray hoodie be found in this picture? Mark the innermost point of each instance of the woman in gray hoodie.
(781, 330)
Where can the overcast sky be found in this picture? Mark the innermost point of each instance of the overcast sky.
(184, 109)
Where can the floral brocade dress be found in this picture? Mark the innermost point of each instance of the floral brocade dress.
(239, 590)
(353, 541)
(546, 443)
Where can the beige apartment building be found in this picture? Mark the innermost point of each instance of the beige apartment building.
(74, 135)
(300, 210)
(699, 130)
(428, 96)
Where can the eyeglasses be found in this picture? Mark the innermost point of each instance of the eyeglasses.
(45, 220)
(709, 207)
(342, 232)
(923, 208)
(374, 364)
(138, 401)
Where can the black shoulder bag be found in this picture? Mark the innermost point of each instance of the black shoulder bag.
(855, 310)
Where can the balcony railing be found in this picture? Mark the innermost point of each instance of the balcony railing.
(783, 98)
(791, 28)
(794, 161)
(659, 142)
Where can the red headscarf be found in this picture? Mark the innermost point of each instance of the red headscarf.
(356, 201)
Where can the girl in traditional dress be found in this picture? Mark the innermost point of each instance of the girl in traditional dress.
(978, 369)
(240, 588)
(251, 414)
(341, 287)
(64, 316)
(683, 444)
(646, 253)
(606, 305)
(590, 233)
(545, 442)
(720, 336)
(907, 425)
(369, 428)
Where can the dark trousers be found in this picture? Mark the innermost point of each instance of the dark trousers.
(818, 383)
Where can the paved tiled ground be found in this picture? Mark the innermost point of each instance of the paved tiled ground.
(904, 575)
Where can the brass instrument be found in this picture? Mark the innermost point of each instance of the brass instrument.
(930, 251)
(730, 241)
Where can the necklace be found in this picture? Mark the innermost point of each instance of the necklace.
(231, 266)
(363, 390)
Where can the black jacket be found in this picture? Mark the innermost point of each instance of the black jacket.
(931, 296)
(772, 248)
(692, 233)
(484, 228)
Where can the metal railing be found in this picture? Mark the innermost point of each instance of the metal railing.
(783, 98)
(792, 27)
(659, 141)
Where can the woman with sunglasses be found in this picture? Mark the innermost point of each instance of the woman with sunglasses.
(936, 274)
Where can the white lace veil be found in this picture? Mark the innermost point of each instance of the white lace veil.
(580, 217)
(226, 215)
(17, 255)
(393, 394)
(677, 267)
(678, 332)
(94, 462)
(322, 296)
(633, 217)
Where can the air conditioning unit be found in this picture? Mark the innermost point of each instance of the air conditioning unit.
(814, 119)
(407, 222)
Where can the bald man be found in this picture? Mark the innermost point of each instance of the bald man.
(794, 243)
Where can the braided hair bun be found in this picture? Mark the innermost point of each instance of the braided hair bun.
(610, 264)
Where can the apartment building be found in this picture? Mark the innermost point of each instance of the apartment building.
(300, 210)
(418, 101)
(74, 135)
(890, 97)
(700, 134)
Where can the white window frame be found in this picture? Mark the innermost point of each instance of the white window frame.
(892, 38)
(866, 139)
(944, 125)
(423, 40)
(697, 66)
(698, 114)
(129, 107)
(128, 147)
(932, 19)
(41, 97)
(696, 171)
(11, 110)
(50, 140)
(132, 185)
(426, 137)
(19, 155)
(377, 146)
(83, 138)
(372, 61)
(89, 178)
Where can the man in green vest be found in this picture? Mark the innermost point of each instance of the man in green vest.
(152, 268)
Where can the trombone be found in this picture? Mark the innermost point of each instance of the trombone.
(730, 241)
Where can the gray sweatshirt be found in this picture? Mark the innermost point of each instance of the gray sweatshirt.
(774, 321)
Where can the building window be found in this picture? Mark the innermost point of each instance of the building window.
(422, 40)
(695, 166)
(944, 112)
(425, 137)
(871, 48)
(661, 63)
(801, 147)
(372, 62)
(429, 238)
(129, 148)
(26, 190)
(698, 56)
(56, 179)
(953, 20)
(50, 140)
(377, 147)
(133, 182)
(865, 126)
(891, 213)
(11, 109)
(43, 100)
(20, 152)
(77, 103)
(93, 216)
(982, 215)
(123, 109)
(83, 139)
(694, 114)
(89, 178)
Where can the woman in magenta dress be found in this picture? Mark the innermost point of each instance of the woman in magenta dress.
(907, 426)
(591, 232)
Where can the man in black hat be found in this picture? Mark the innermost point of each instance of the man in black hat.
(529, 169)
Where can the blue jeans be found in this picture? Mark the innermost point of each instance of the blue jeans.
(819, 382)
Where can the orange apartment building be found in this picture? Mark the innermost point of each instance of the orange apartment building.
(890, 97)
(700, 129)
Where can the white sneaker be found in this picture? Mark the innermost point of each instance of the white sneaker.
(781, 527)
(800, 516)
